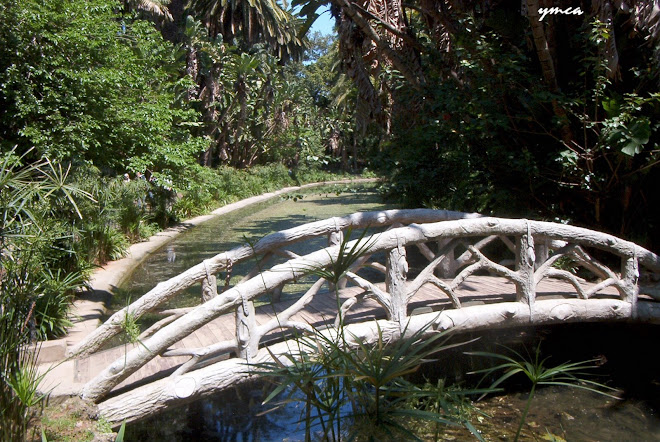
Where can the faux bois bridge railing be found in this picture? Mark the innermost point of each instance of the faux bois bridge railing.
(457, 246)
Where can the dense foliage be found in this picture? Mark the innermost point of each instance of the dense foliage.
(90, 83)
(94, 86)
(496, 139)
(81, 83)
(37, 277)
(487, 106)
(108, 132)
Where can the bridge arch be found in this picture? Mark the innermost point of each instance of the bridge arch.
(455, 246)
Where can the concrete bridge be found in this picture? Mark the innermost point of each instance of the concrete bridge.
(455, 271)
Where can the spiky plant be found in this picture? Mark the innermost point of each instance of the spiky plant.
(336, 374)
(28, 195)
(568, 374)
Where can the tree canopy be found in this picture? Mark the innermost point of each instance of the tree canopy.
(485, 106)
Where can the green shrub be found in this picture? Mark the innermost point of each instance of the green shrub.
(38, 273)
(205, 189)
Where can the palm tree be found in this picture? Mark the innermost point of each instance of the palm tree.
(242, 24)
(157, 8)
(250, 22)
(373, 37)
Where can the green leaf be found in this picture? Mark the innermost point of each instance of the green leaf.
(120, 434)
(611, 107)
(638, 134)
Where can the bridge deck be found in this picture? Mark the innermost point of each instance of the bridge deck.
(322, 310)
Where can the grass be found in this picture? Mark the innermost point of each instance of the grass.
(73, 420)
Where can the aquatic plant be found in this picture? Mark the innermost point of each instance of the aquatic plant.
(364, 385)
(567, 374)
(342, 378)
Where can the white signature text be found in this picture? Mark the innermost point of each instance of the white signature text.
(545, 11)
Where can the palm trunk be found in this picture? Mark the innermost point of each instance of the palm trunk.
(547, 65)
(541, 44)
(210, 115)
(391, 54)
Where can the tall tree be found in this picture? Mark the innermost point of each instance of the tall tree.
(552, 108)
(80, 84)
(156, 7)
(241, 24)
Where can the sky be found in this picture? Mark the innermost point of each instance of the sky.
(325, 23)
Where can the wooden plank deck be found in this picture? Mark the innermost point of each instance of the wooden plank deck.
(322, 310)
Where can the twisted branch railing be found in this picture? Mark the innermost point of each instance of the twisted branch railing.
(537, 248)
(272, 243)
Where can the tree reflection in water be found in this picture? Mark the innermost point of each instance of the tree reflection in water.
(234, 415)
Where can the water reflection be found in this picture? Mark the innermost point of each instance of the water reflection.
(568, 413)
(171, 254)
(563, 413)
(235, 415)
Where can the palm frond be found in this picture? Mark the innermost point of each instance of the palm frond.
(156, 7)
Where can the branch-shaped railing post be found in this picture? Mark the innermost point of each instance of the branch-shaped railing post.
(166, 290)
(525, 261)
(630, 277)
(399, 290)
(247, 339)
(542, 251)
(335, 238)
(447, 267)
(395, 283)
(209, 285)
(276, 293)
